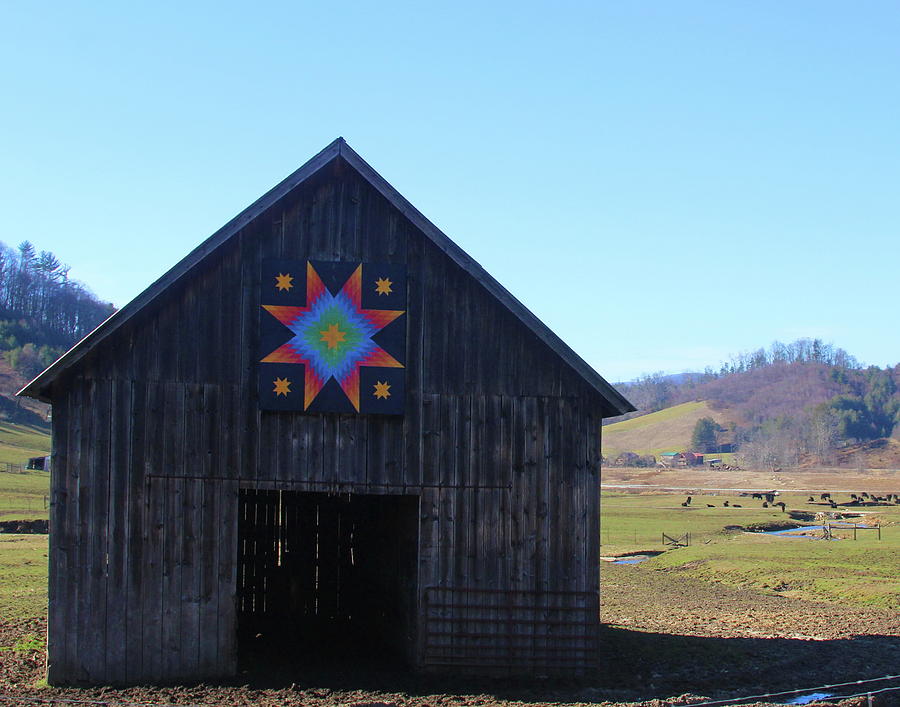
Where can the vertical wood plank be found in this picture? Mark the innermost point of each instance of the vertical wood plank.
(84, 627)
(208, 626)
(163, 400)
(189, 570)
(415, 332)
(117, 532)
(171, 579)
(134, 539)
(226, 593)
(62, 664)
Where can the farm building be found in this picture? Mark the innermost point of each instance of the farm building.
(326, 432)
(681, 459)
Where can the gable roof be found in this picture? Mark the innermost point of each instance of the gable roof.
(38, 388)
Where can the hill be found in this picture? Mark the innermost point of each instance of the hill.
(20, 442)
(43, 312)
(25, 411)
(799, 403)
(667, 430)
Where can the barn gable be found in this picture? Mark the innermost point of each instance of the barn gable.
(335, 158)
(185, 520)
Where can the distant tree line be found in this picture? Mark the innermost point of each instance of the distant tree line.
(790, 400)
(42, 311)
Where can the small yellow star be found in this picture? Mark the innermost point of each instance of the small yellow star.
(282, 386)
(382, 390)
(333, 336)
(283, 282)
(383, 286)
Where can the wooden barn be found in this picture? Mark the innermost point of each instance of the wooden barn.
(326, 434)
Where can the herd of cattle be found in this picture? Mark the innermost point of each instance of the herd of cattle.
(768, 499)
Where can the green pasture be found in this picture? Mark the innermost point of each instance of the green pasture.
(18, 443)
(667, 430)
(24, 496)
(23, 576)
(654, 418)
(865, 571)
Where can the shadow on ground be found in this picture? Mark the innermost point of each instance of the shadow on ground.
(632, 666)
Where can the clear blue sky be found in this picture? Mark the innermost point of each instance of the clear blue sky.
(664, 184)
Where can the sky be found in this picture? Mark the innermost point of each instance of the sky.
(664, 184)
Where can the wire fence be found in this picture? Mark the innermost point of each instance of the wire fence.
(818, 690)
(854, 684)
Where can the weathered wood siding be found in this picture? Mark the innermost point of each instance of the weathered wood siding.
(158, 427)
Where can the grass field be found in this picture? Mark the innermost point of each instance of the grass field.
(668, 430)
(24, 496)
(23, 576)
(861, 572)
(20, 442)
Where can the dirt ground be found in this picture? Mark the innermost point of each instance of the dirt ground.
(666, 639)
(880, 481)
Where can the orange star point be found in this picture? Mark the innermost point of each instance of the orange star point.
(283, 282)
(333, 336)
(382, 390)
(282, 386)
(383, 286)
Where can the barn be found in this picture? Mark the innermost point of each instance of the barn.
(327, 434)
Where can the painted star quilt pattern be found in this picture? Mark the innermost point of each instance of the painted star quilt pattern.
(332, 337)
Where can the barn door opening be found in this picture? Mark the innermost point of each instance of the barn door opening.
(326, 578)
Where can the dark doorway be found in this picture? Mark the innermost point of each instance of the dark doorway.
(323, 578)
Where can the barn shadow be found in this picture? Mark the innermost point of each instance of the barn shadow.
(637, 665)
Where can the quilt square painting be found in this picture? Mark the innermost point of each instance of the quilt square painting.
(332, 337)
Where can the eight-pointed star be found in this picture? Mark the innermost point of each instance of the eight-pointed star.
(332, 336)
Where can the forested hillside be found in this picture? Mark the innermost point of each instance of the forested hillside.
(806, 398)
(42, 314)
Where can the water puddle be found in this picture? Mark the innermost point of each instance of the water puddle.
(802, 531)
(806, 699)
(811, 531)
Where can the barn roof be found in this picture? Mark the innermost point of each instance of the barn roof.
(615, 403)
